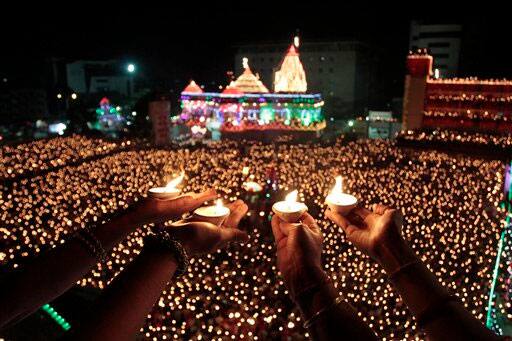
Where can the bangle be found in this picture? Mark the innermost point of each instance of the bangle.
(315, 317)
(162, 240)
(435, 310)
(89, 240)
(402, 268)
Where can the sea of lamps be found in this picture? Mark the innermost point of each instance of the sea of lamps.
(452, 220)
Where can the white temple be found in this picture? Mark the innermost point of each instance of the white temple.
(248, 82)
(291, 76)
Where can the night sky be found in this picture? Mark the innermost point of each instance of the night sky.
(173, 42)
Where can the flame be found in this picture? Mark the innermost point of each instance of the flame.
(219, 203)
(338, 187)
(175, 182)
(245, 62)
(296, 41)
(291, 197)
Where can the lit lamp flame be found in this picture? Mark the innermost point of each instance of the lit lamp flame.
(175, 182)
(296, 41)
(338, 187)
(245, 62)
(219, 203)
(291, 197)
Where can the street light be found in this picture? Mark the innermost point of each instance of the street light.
(130, 68)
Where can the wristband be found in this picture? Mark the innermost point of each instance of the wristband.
(89, 240)
(162, 240)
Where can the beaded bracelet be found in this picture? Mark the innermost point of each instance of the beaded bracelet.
(89, 240)
(313, 318)
(162, 240)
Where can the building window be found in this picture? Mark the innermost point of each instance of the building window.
(447, 34)
(440, 56)
(438, 44)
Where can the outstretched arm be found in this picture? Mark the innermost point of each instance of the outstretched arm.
(52, 273)
(125, 304)
(327, 315)
(378, 234)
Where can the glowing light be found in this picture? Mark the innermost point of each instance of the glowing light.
(74, 96)
(219, 204)
(130, 68)
(291, 197)
(175, 182)
(291, 76)
(338, 187)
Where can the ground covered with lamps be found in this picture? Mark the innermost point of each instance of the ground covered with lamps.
(451, 206)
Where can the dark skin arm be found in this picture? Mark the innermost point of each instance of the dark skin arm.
(378, 234)
(299, 249)
(125, 304)
(52, 273)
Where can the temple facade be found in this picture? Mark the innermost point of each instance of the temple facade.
(247, 104)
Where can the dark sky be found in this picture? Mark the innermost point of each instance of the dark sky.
(168, 40)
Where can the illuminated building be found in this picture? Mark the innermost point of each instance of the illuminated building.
(377, 125)
(108, 117)
(454, 103)
(339, 70)
(247, 105)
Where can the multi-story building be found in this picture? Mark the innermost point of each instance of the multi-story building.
(90, 77)
(338, 69)
(454, 103)
(443, 43)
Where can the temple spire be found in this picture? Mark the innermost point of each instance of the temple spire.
(291, 76)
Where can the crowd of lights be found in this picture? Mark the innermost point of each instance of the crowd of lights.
(46, 154)
(482, 139)
(452, 220)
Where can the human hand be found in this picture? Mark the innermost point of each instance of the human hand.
(152, 210)
(299, 250)
(375, 232)
(199, 237)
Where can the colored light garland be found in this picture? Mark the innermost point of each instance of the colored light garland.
(56, 317)
(504, 248)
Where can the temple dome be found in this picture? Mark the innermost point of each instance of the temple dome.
(232, 89)
(291, 76)
(193, 87)
(248, 82)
